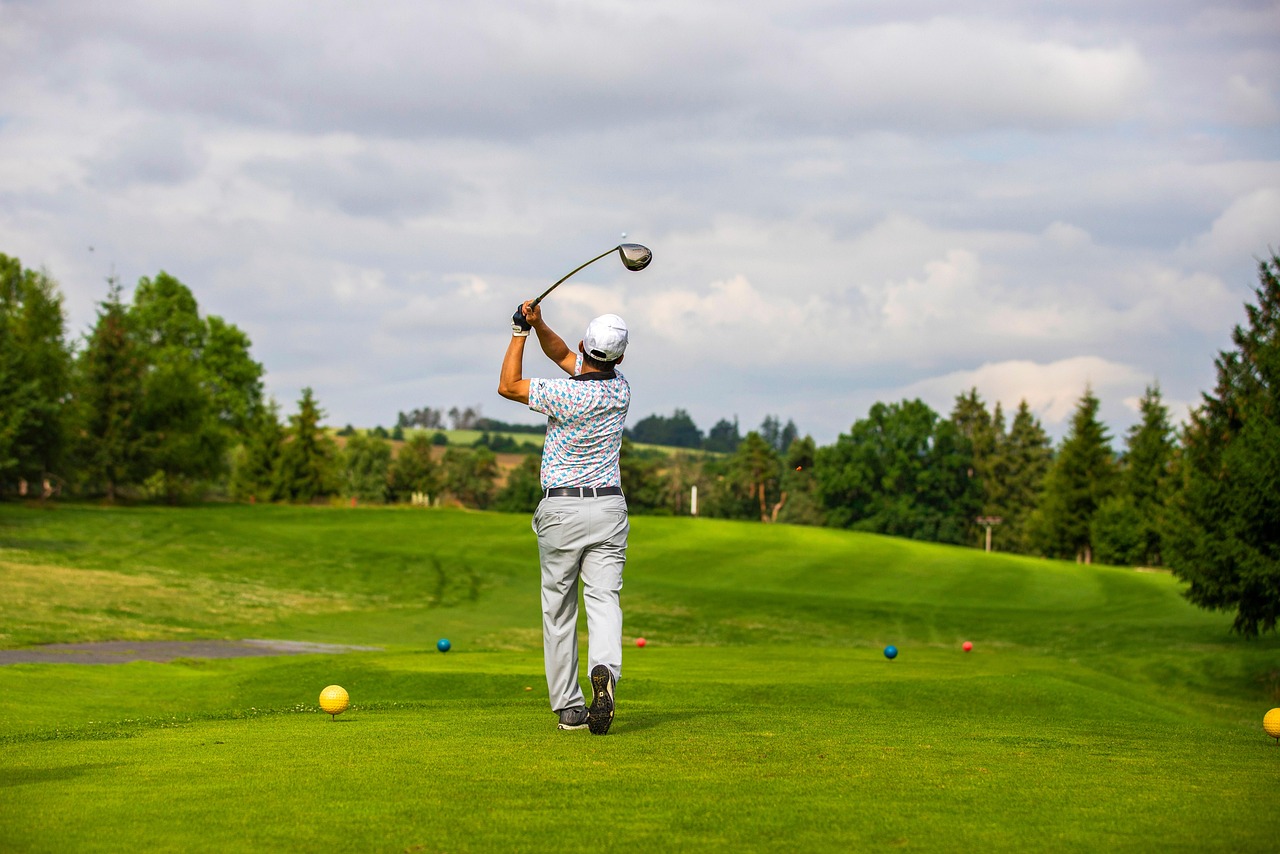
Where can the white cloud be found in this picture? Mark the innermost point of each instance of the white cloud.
(355, 285)
(945, 296)
(1246, 227)
(1251, 103)
(844, 200)
(1052, 391)
(972, 73)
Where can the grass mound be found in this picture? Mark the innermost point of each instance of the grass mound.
(1097, 709)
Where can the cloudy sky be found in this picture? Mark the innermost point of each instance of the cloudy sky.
(847, 201)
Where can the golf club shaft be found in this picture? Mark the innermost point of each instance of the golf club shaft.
(543, 295)
(634, 257)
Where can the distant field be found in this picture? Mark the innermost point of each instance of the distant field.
(469, 437)
(466, 438)
(1098, 710)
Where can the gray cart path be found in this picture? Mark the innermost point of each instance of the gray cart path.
(120, 652)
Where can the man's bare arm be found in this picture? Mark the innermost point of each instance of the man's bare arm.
(511, 382)
(552, 344)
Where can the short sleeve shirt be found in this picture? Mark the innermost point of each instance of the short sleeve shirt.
(585, 418)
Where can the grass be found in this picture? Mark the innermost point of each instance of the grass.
(1098, 709)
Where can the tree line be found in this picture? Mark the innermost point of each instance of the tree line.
(160, 402)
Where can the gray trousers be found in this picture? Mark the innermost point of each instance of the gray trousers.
(580, 538)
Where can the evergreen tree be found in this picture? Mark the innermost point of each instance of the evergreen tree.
(1017, 478)
(308, 457)
(1118, 532)
(1082, 476)
(1223, 536)
(1146, 475)
(984, 434)
(723, 438)
(35, 374)
(366, 470)
(776, 435)
(757, 472)
(414, 469)
(109, 374)
(257, 470)
(802, 504)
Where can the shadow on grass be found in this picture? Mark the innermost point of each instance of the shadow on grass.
(627, 723)
(30, 776)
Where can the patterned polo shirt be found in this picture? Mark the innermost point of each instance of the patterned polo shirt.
(585, 418)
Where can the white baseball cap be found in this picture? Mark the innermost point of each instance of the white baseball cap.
(605, 338)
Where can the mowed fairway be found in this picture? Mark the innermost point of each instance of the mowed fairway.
(1097, 711)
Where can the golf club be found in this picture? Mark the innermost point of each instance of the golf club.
(634, 257)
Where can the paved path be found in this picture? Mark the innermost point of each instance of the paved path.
(119, 652)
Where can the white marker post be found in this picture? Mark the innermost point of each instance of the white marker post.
(990, 522)
(693, 500)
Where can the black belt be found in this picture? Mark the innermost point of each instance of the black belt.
(581, 491)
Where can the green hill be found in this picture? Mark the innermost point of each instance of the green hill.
(1098, 710)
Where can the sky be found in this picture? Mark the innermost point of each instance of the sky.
(847, 202)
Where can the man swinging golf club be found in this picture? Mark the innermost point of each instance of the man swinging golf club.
(581, 521)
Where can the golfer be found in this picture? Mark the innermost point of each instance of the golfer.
(581, 521)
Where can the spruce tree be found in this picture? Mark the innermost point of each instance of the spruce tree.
(108, 403)
(757, 471)
(256, 472)
(414, 469)
(1022, 462)
(723, 437)
(1223, 536)
(803, 504)
(307, 460)
(1082, 476)
(984, 436)
(1146, 477)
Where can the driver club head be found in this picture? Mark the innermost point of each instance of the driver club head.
(634, 256)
